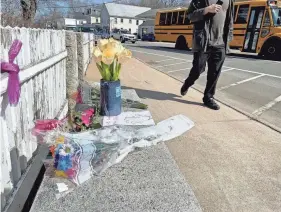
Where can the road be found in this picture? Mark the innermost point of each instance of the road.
(247, 83)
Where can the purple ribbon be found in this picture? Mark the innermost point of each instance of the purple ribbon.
(13, 71)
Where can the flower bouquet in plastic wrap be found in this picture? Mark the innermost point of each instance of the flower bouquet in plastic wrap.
(74, 156)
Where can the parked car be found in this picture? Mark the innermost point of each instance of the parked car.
(148, 37)
(123, 36)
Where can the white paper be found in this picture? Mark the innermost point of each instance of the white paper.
(62, 187)
(142, 118)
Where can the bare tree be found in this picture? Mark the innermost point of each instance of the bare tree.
(29, 8)
(154, 4)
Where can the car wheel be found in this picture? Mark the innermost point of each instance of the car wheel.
(122, 40)
(181, 43)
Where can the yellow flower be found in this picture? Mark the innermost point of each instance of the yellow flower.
(102, 44)
(116, 47)
(124, 56)
(97, 55)
(108, 55)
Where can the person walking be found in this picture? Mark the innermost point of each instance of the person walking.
(212, 31)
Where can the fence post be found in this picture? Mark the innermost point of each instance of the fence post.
(72, 73)
(80, 54)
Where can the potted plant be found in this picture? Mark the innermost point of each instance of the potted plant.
(109, 56)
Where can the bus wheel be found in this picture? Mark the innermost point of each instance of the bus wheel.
(271, 51)
(181, 43)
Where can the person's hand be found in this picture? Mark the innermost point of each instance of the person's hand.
(214, 8)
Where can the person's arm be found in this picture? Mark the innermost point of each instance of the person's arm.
(230, 33)
(195, 14)
(229, 23)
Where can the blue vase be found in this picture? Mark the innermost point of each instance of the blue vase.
(110, 98)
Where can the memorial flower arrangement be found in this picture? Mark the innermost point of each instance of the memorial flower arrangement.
(109, 55)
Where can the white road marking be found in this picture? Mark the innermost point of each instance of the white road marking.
(248, 71)
(266, 107)
(160, 55)
(229, 69)
(170, 64)
(183, 69)
(254, 72)
(241, 82)
(163, 60)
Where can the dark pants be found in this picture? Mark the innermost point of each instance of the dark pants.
(215, 58)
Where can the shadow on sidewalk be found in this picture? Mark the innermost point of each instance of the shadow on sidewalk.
(157, 95)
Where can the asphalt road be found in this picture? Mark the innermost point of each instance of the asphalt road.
(247, 83)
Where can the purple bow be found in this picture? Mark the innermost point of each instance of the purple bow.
(13, 70)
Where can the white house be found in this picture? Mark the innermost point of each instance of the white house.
(121, 16)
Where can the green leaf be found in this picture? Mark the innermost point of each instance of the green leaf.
(100, 70)
(106, 70)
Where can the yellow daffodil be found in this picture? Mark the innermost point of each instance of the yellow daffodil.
(108, 55)
(124, 56)
(97, 55)
(102, 44)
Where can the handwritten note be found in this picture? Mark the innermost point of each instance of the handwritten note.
(143, 118)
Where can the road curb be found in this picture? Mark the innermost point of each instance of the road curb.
(250, 116)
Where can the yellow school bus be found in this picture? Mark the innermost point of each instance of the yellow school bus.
(257, 27)
(173, 26)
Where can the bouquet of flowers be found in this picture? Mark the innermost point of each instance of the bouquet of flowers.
(109, 56)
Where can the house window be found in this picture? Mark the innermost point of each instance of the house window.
(122, 20)
(138, 22)
(130, 21)
(115, 20)
(130, 29)
(97, 20)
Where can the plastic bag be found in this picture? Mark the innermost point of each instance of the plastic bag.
(45, 128)
(79, 156)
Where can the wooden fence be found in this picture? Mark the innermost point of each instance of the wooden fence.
(42, 62)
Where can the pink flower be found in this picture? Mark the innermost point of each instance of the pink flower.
(86, 116)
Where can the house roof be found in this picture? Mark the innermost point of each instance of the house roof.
(151, 14)
(148, 23)
(123, 10)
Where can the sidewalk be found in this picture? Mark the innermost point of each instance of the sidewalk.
(230, 162)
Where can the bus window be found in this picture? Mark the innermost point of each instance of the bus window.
(175, 18)
(181, 17)
(266, 22)
(276, 16)
(186, 20)
(169, 19)
(242, 14)
(259, 21)
(162, 19)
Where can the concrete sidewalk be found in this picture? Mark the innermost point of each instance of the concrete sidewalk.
(231, 162)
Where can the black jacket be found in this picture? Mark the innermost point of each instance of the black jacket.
(201, 24)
